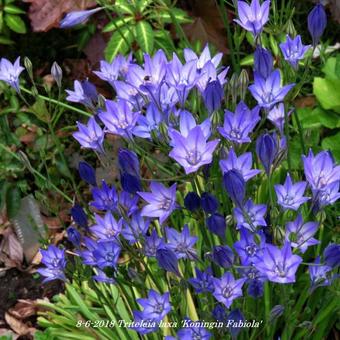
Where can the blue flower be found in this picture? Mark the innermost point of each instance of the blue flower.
(77, 17)
(317, 22)
(134, 228)
(223, 256)
(277, 116)
(74, 236)
(167, 260)
(79, 216)
(237, 126)
(161, 201)
(106, 254)
(106, 228)
(10, 73)
(90, 136)
(209, 203)
(105, 198)
(293, 50)
(216, 224)
(319, 274)
(267, 149)
(235, 186)
(203, 283)
(84, 93)
(152, 243)
(268, 91)
(227, 289)
(263, 62)
(192, 201)
(143, 325)
(87, 173)
(331, 255)
(193, 330)
(254, 16)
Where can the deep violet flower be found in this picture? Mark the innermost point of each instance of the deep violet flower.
(209, 203)
(317, 22)
(263, 62)
(161, 201)
(203, 282)
(106, 254)
(152, 243)
(135, 228)
(87, 173)
(235, 186)
(105, 198)
(267, 149)
(79, 216)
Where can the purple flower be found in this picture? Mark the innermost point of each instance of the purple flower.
(10, 73)
(237, 126)
(227, 289)
(106, 228)
(254, 281)
(161, 201)
(111, 71)
(148, 123)
(57, 73)
(203, 283)
(250, 216)
(223, 256)
(267, 150)
(181, 243)
(213, 95)
(279, 265)
(235, 186)
(128, 162)
(254, 16)
(192, 201)
(263, 62)
(193, 330)
(105, 198)
(293, 50)
(205, 57)
(84, 93)
(142, 324)
(182, 77)
(87, 173)
(74, 236)
(87, 254)
(216, 224)
(249, 247)
(152, 243)
(79, 216)
(268, 91)
(54, 260)
(300, 234)
(156, 306)
(209, 203)
(331, 255)
(192, 151)
(328, 195)
(289, 195)
(90, 136)
(320, 170)
(119, 118)
(277, 116)
(319, 274)
(128, 202)
(102, 277)
(242, 163)
(233, 321)
(136, 227)
(317, 22)
(106, 254)
(167, 260)
(77, 17)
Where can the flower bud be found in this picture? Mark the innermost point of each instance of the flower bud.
(233, 86)
(223, 256)
(57, 73)
(263, 62)
(243, 81)
(209, 203)
(130, 183)
(74, 236)
(217, 225)
(167, 260)
(235, 186)
(266, 149)
(276, 312)
(213, 95)
(29, 67)
(317, 22)
(87, 173)
(79, 216)
(192, 201)
(128, 162)
(332, 255)
(235, 316)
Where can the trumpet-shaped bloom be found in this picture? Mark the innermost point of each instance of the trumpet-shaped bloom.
(90, 136)
(156, 306)
(237, 126)
(279, 265)
(111, 71)
(268, 91)
(84, 93)
(203, 58)
(319, 274)
(328, 195)
(161, 201)
(254, 16)
(243, 164)
(77, 17)
(300, 234)
(277, 116)
(119, 118)
(320, 170)
(105, 198)
(106, 254)
(10, 73)
(192, 151)
(152, 243)
(136, 227)
(106, 228)
(250, 216)
(227, 289)
(289, 195)
(293, 50)
(203, 282)
(182, 243)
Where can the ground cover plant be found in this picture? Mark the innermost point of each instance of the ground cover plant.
(221, 219)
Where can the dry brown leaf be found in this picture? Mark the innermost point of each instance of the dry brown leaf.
(23, 309)
(11, 247)
(46, 14)
(18, 326)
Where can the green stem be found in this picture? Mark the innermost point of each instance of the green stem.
(267, 305)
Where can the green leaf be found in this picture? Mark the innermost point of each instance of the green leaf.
(327, 92)
(11, 9)
(117, 23)
(164, 16)
(120, 42)
(333, 143)
(15, 23)
(13, 198)
(332, 68)
(6, 41)
(145, 36)
(122, 6)
(164, 42)
(315, 118)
